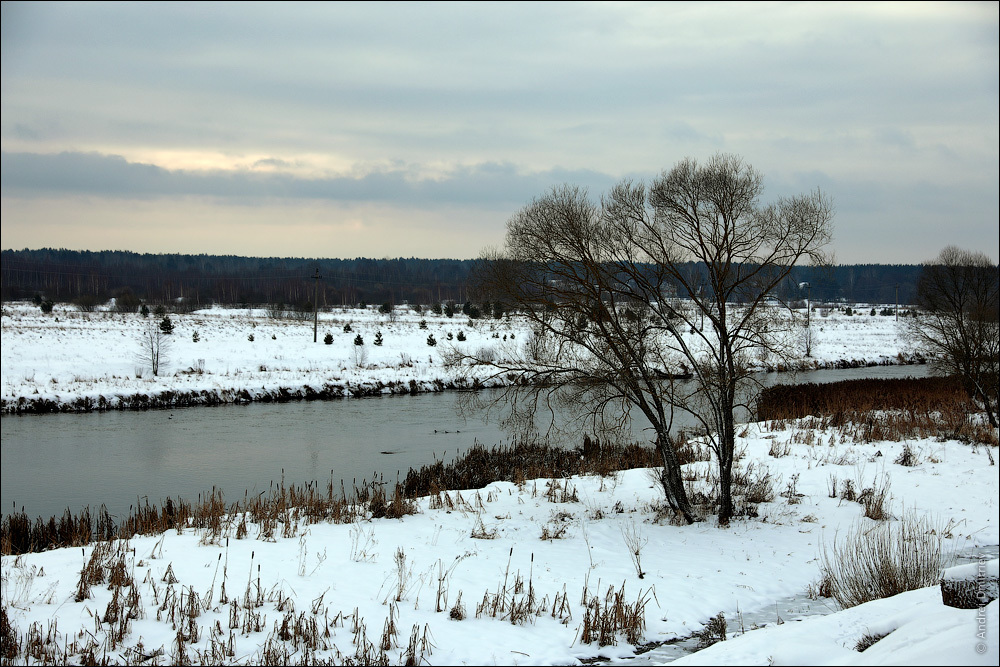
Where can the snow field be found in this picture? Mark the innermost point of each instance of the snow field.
(354, 572)
(68, 356)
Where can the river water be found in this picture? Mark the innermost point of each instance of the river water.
(57, 461)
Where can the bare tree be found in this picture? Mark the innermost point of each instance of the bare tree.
(617, 293)
(957, 294)
(154, 346)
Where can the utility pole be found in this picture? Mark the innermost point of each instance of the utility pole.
(316, 303)
(897, 302)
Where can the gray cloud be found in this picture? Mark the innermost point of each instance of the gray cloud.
(272, 162)
(890, 108)
(37, 175)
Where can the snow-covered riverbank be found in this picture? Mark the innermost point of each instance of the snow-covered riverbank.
(75, 361)
(500, 575)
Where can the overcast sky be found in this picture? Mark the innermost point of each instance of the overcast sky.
(387, 130)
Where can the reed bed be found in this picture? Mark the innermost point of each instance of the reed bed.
(274, 513)
(278, 511)
(871, 410)
(480, 466)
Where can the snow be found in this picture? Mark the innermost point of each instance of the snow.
(971, 571)
(76, 360)
(919, 631)
(691, 573)
(347, 577)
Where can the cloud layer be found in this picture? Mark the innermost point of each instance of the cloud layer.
(424, 107)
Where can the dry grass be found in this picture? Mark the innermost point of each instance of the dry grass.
(874, 410)
(10, 642)
(481, 466)
(277, 512)
(868, 640)
(876, 499)
(293, 636)
(604, 620)
(871, 562)
(713, 632)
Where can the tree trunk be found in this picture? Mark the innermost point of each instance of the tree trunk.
(727, 447)
(670, 479)
(726, 490)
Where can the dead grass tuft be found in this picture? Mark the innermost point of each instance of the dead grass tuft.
(604, 620)
(713, 632)
(871, 562)
(868, 640)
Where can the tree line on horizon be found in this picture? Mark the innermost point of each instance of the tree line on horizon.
(89, 278)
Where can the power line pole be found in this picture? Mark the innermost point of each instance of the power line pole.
(897, 302)
(316, 303)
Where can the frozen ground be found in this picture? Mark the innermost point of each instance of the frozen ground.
(421, 574)
(74, 360)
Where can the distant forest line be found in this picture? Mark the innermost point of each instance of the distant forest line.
(94, 277)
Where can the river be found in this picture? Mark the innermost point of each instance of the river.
(57, 461)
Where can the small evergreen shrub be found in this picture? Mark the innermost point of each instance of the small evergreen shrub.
(461, 336)
(166, 326)
(328, 339)
(431, 341)
(358, 340)
(347, 328)
(423, 324)
(378, 338)
(195, 337)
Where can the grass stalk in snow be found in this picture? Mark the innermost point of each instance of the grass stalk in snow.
(874, 561)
